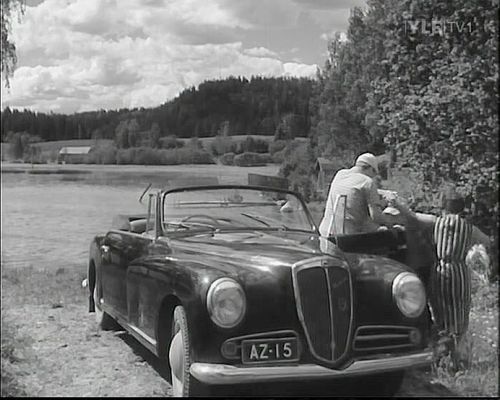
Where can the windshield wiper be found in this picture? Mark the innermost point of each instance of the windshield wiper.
(261, 220)
(255, 218)
(189, 225)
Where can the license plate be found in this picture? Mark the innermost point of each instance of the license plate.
(269, 350)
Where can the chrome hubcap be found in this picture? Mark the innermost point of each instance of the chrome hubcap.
(176, 358)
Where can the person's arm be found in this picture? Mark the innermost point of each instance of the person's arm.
(427, 220)
(375, 206)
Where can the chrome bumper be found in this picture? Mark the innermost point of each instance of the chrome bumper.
(220, 374)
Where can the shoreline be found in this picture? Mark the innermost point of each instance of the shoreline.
(87, 169)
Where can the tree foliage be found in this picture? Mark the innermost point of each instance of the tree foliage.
(420, 79)
(8, 57)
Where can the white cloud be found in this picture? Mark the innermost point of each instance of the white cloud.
(260, 52)
(327, 36)
(295, 69)
(91, 54)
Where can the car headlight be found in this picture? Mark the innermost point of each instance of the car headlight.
(226, 302)
(409, 294)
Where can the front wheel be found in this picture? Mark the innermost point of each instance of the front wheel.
(179, 355)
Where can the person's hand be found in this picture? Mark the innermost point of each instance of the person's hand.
(382, 228)
(399, 227)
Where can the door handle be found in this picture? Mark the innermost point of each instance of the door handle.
(105, 252)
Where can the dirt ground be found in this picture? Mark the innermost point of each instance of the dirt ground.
(66, 355)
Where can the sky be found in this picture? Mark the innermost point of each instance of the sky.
(83, 55)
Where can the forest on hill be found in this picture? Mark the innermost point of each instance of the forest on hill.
(256, 106)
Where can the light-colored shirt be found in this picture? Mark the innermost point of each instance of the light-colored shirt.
(346, 210)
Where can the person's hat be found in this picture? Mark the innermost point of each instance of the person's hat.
(368, 159)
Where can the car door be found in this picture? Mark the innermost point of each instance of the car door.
(122, 248)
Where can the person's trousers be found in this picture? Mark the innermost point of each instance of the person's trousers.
(450, 297)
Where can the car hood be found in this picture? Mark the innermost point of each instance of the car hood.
(264, 255)
(269, 248)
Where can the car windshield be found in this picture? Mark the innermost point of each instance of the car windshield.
(234, 208)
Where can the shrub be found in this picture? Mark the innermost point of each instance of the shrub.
(125, 156)
(102, 155)
(227, 159)
(222, 145)
(276, 146)
(251, 145)
(170, 142)
(278, 157)
(195, 143)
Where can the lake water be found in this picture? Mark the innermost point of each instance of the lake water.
(49, 218)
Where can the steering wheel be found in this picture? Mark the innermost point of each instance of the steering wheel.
(201, 216)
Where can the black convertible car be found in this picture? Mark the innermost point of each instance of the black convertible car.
(233, 284)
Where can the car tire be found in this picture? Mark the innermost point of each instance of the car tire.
(180, 359)
(103, 319)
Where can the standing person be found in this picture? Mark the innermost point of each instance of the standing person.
(353, 200)
(450, 277)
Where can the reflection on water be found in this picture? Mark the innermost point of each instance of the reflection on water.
(48, 220)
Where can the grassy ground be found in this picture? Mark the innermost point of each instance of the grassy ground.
(51, 345)
(480, 376)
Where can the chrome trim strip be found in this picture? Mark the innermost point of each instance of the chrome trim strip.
(395, 327)
(386, 348)
(398, 332)
(330, 312)
(322, 262)
(220, 374)
(269, 334)
(362, 338)
(151, 341)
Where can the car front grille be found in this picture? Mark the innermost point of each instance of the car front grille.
(323, 294)
(369, 339)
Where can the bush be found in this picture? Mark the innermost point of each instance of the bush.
(170, 142)
(227, 159)
(222, 145)
(251, 159)
(102, 155)
(278, 157)
(276, 146)
(251, 145)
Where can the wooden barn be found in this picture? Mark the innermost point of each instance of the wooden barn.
(73, 155)
(325, 171)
